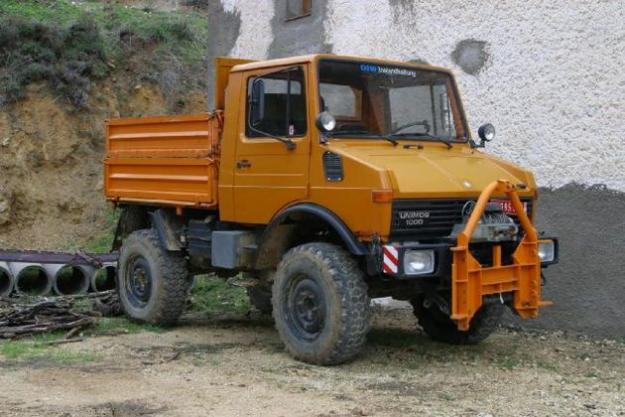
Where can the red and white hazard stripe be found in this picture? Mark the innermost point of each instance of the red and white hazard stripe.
(390, 260)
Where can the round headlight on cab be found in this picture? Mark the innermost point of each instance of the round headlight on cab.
(486, 132)
(325, 122)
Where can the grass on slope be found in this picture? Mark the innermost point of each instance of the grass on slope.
(70, 45)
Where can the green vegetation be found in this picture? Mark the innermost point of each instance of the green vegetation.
(71, 46)
(40, 348)
(212, 296)
(103, 242)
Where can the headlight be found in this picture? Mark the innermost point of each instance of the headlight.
(418, 262)
(546, 250)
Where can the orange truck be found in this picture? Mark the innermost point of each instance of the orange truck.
(326, 181)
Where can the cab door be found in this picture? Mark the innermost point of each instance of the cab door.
(273, 149)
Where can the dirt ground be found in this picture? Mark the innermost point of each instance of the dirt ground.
(236, 367)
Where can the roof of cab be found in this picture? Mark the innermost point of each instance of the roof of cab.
(316, 57)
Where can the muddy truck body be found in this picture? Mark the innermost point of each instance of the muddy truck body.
(327, 181)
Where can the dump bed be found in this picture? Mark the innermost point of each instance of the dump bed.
(169, 160)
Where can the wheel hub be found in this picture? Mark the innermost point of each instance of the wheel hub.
(139, 282)
(306, 307)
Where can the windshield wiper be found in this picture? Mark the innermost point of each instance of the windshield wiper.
(422, 135)
(362, 133)
(390, 139)
(349, 132)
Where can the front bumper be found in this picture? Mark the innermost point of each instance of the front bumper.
(392, 260)
(442, 258)
(518, 274)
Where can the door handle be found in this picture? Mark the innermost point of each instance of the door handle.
(244, 163)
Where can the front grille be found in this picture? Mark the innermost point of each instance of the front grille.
(430, 219)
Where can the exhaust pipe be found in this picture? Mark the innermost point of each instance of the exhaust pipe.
(69, 279)
(104, 279)
(7, 280)
(31, 279)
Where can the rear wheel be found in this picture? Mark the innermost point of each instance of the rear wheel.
(320, 304)
(440, 327)
(153, 284)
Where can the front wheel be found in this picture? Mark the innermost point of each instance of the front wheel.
(153, 284)
(320, 304)
(440, 327)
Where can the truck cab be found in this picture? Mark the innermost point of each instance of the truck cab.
(329, 180)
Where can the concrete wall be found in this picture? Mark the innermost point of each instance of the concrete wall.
(548, 75)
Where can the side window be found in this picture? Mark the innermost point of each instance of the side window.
(342, 101)
(276, 104)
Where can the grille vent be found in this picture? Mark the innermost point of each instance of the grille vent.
(333, 166)
(409, 217)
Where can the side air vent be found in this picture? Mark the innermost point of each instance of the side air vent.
(333, 166)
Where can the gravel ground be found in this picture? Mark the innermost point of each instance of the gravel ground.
(235, 366)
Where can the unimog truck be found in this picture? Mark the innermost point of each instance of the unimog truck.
(324, 181)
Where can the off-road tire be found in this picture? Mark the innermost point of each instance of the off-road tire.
(260, 299)
(343, 291)
(170, 280)
(440, 327)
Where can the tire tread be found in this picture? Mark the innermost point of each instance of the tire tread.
(172, 267)
(352, 291)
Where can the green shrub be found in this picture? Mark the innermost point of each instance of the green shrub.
(69, 46)
(68, 59)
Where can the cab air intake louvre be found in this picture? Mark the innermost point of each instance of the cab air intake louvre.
(333, 166)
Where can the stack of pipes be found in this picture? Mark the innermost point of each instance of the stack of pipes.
(44, 273)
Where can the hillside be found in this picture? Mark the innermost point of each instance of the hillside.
(65, 67)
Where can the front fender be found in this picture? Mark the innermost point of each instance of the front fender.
(280, 232)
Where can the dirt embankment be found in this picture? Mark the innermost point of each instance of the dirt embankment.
(51, 162)
(65, 67)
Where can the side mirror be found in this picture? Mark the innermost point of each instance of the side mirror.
(325, 122)
(486, 132)
(257, 102)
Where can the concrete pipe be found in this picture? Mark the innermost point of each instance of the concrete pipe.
(104, 279)
(69, 279)
(7, 280)
(31, 279)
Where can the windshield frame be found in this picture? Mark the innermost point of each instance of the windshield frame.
(454, 96)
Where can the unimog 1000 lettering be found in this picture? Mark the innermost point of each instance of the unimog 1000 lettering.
(327, 180)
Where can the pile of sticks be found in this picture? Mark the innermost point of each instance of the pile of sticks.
(20, 317)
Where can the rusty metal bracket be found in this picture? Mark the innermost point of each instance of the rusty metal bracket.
(45, 257)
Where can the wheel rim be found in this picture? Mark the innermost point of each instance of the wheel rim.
(138, 282)
(306, 308)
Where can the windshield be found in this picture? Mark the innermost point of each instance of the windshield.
(373, 100)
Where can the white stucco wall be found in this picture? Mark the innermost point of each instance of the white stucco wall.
(554, 83)
(255, 33)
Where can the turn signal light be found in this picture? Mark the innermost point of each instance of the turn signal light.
(382, 196)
